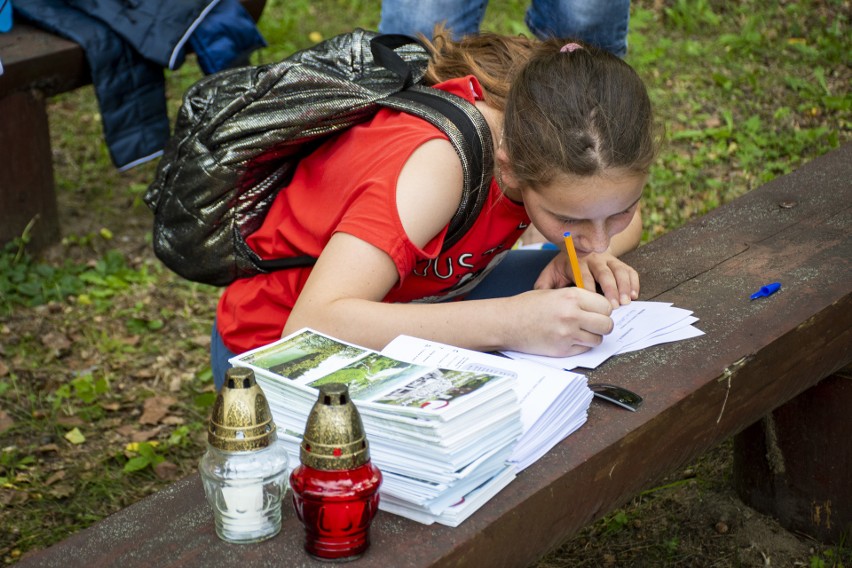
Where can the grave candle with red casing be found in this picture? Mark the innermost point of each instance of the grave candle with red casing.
(335, 489)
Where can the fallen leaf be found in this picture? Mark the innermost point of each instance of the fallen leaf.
(126, 430)
(166, 470)
(111, 406)
(56, 340)
(75, 436)
(173, 420)
(57, 476)
(155, 409)
(12, 497)
(144, 435)
(48, 448)
(201, 340)
(4, 369)
(61, 491)
(133, 447)
(6, 421)
(70, 421)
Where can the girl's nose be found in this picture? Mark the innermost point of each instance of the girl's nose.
(595, 239)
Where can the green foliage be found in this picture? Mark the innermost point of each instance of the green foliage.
(692, 16)
(181, 436)
(744, 92)
(81, 396)
(835, 557)
(13, 461)
(616, 522)
(24, 281)
(671, 545)
(204, 401)
(147, 457)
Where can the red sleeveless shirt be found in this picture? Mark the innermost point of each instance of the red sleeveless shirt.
(349, 184)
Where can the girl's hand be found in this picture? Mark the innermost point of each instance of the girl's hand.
(618, 281)
(558, 323)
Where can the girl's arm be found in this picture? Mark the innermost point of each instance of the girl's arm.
(342, 296)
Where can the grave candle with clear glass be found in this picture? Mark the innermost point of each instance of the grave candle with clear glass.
(244, 471)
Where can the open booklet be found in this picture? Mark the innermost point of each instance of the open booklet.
(448, 427)
(408, 393)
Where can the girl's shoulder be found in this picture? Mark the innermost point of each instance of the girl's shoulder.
(467, 87)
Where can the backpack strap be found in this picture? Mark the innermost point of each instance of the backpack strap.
(471, 137)
(460, 120)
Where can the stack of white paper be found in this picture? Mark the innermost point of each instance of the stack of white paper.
(637, 325)
(554, 403)
(442, 437)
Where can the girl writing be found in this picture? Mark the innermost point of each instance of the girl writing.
(573, 132)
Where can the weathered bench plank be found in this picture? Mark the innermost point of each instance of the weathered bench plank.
(36, 59)
(755, 356)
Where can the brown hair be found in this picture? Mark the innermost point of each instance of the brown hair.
(577, 113)
(493, 59)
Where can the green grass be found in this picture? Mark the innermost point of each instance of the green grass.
(746, 92)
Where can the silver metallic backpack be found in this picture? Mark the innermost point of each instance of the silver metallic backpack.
(240, 133)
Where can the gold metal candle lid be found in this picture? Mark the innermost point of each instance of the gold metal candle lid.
(334, 435)
(241, 419)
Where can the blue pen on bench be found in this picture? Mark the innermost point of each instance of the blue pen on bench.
(767, 290)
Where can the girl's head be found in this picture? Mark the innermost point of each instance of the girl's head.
(578, 112)
(578, 142)
(578, 133)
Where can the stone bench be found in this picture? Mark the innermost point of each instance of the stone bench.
(754, 362)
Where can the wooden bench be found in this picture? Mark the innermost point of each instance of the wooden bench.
(37, 65)
(755, 357)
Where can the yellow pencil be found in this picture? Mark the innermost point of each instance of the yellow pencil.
(572, 256)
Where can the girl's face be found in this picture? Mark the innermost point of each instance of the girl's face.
(592, 208)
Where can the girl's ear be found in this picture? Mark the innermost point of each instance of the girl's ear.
(505, 174)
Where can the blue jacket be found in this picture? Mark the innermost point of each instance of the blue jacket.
(127, 45)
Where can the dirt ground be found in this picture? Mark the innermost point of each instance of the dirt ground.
(695, 519)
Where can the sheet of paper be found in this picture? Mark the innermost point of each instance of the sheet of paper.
(681, 333)
(636, 326)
